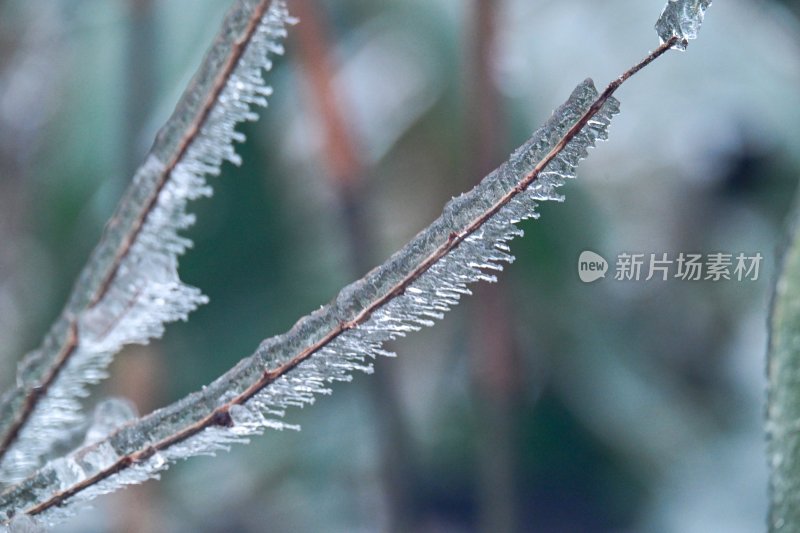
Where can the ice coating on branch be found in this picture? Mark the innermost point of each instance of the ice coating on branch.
(145, 291)
(427, 295)
(108, 416)
(682, 19)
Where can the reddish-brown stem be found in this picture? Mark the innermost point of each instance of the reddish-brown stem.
(221, 415)
(314, 49)
(346, 172)
(71, 342)
(494, 354)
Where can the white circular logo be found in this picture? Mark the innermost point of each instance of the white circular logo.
(591, 266)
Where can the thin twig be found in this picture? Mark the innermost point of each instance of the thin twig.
(221, 415)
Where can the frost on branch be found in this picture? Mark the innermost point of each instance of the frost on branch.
(130, 287)
(682, 19)
(415, 287)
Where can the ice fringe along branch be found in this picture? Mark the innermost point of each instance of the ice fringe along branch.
(414, 287)
(130, 287)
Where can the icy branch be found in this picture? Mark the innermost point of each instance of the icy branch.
(130, 287)
(415, 287)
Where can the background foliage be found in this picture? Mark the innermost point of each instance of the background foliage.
(544, 404)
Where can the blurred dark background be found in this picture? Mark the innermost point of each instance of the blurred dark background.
(541, 403)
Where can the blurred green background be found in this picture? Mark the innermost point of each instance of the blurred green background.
(540, 404)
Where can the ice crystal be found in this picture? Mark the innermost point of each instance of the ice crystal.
(682, 19)
(381, 310)
(145, 291)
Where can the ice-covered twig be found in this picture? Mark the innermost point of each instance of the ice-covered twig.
(130, 286)
(414, 287)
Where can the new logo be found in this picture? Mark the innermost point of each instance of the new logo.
(591, 266)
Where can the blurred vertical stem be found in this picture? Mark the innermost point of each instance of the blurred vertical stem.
(140, 77)
(495, 365)
(783, 404)
(140, 377)
(346, 171)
